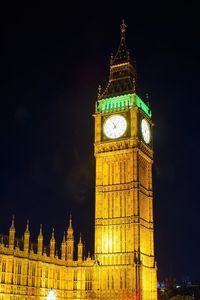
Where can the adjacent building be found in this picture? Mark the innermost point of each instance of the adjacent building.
(123, 265)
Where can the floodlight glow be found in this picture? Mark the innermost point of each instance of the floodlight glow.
(51, 295)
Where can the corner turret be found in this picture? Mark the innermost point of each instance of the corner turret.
(52, 244)
(40, 242)
(80, 249)
(26, 238)
(63, 248)
(12, 235)
(70, 241)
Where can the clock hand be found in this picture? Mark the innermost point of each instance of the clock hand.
(114, 125)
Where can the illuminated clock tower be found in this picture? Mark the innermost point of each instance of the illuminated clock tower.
(124, 231)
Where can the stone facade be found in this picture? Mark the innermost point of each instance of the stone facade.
(124, 265)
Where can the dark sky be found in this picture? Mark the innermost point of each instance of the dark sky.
(52, 59)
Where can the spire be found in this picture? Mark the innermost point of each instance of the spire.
(12, 227)
(63, 248)
(80, 249)
(122, 52)
(52, 235)
(70, 241)
(40, 233)
(70, 231)
(122, 76)
(70, 220)
(27, 227)
(123, 29)
(52, 244)
(40, 242)
(26, 237)
(12, 234)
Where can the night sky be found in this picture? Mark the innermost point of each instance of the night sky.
(52, 59)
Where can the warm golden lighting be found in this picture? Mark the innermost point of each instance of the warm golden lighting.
(108, 244)
(124, 265)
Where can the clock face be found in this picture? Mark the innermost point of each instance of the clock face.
(146, 134)
(115, 126)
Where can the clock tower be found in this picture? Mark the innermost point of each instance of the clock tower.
(124, 231)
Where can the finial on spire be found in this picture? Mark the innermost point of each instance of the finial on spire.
(111, 58)
(123, 28)
(70, 220)
(52, 236)
(40, 235)
(12, 227)
(99, 90)
(134, 87)
(147, 98)
(27, 225)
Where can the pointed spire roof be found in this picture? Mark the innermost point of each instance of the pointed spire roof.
(70, 220)
(70, 230)
(40, 235)
(52, 235)
(27, 228)
(12, 227)
(122, 78)
(122, 54)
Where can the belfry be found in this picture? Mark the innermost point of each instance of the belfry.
(123, 265)
(124, 234)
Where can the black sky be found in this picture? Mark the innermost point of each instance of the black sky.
(52, 59)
